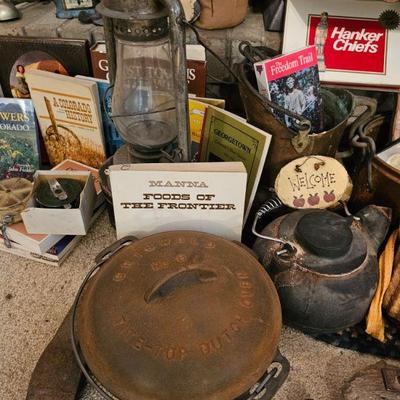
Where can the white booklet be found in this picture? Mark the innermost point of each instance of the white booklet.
(153, 198)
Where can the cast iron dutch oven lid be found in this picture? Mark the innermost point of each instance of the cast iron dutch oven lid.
(179, 315)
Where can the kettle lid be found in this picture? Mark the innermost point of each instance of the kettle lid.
(325, 234)
(330, 244)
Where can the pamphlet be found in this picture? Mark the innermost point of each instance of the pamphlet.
(292, 82)
(228, 137)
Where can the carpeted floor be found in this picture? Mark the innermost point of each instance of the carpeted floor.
(34, 299)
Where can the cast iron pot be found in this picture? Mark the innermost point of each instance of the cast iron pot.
(327, 274)
(179, 315)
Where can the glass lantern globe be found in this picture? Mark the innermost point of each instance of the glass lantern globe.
(147, 64)
(143, 103)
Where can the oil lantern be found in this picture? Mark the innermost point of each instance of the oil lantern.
(145, 43)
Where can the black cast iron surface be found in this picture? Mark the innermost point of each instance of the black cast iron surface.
(325, 293)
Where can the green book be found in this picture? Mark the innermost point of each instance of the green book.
(19, 141)
(228, 137)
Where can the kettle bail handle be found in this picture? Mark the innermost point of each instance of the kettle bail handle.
(275, 203)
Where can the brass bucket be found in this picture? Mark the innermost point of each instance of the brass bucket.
(286, 145)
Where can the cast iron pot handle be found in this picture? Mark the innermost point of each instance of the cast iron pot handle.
(101, 258)
(272, 380)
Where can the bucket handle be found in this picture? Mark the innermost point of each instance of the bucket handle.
(302, 125)
(371, 105)
(358, 124)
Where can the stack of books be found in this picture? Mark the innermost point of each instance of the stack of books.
(44, 248)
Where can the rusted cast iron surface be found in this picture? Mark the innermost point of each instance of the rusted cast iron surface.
(56, 375)
(179, 315)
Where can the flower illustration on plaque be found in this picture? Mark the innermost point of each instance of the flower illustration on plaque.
(321, 34)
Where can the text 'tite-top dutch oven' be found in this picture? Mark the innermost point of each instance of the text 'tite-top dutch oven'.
(179, 315)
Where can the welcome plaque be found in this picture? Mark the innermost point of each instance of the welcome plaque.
(313, 182)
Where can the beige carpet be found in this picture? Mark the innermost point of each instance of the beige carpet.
(34, 299)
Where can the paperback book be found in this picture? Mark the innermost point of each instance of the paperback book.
(112, 139)
(228, 137)
(206, 197)
(46, 249)
(36, 243)
(197, 112)
(19, 139)
(292, 82)
(98, 55)
(69, 115)
(54, 256)
(196, 69)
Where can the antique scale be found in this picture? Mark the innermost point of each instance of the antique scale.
(67, 9)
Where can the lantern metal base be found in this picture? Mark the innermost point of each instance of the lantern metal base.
(127, 154)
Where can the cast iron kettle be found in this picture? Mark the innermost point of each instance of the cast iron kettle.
(327, 274)
(179, 315)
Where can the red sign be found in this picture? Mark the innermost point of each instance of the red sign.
(351, 44)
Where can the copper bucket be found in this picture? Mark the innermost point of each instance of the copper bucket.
(287, 144)
(386, 185)
(374, 179)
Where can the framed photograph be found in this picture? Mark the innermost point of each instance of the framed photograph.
(21, 54)
(352, 45)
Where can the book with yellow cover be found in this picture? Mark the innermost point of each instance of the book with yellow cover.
(197, 111)
(228, 137)
(68, 111)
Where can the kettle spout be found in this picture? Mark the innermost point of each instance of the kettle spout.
(376, 221)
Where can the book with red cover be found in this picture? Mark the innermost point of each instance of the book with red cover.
(98, 56)
(292, 81)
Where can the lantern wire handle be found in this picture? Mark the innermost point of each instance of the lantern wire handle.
(211, 51)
